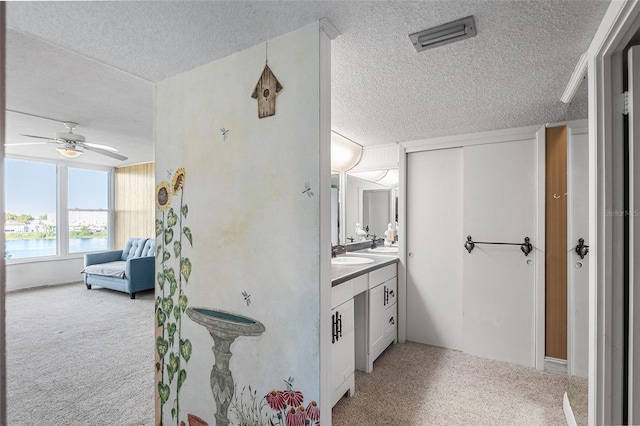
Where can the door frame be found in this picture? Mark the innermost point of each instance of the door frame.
(606, 165)
(496, 136)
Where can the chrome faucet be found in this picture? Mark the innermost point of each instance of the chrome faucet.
(335, 249)
(373, 240)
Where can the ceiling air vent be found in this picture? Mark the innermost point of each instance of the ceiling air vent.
(444, 34)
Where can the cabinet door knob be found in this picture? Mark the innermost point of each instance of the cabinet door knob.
(392, 321)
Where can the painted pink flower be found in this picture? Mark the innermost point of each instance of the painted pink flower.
(293, 398)
(276, 400)
(313, 411)
(293, 418)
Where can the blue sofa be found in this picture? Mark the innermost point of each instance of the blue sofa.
(129, 270)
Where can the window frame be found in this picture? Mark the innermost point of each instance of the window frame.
(62, 209)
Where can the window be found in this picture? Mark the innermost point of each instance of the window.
(88, 210)
(38, 223)
(30, 205)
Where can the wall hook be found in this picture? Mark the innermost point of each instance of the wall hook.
(469, 245)
(526, 247)
(582, 249)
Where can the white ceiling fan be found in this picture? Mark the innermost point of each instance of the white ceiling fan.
(73, 144)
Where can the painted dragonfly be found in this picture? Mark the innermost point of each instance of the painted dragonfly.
(307, 190)
(246, 297)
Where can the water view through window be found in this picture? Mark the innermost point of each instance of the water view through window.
(88, 210)
(31, 206)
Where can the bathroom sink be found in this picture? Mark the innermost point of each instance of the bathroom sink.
(351, 260)
(384, 250)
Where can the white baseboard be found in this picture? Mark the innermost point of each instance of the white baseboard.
(568, 411)
(555, 366)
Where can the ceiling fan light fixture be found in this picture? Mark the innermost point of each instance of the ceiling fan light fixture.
(69, 152)
(444, 34)
(66, 136)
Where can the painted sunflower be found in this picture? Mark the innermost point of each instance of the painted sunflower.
(163, 196)
(178, 181)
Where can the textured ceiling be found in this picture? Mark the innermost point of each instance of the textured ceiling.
(96, 62)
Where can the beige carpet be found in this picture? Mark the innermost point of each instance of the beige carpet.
(414, 384)
(79, 357)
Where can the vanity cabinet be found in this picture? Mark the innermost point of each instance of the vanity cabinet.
(382, 317)
(376, 316)
(363, 324)
(342, 340)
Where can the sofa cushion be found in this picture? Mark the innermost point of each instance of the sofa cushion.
(149, 248)
(109, 269)
(133, 248)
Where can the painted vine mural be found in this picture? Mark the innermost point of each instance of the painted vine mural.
(173, 350)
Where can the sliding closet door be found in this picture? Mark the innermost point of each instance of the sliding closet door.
(434, 246)
(500, 187)
(577, 268)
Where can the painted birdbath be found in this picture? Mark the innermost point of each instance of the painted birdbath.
(224, 328)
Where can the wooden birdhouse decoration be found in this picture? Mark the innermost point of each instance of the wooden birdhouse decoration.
(265, 92)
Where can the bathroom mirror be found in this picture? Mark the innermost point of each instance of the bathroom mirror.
(370, 199)
(376, 211)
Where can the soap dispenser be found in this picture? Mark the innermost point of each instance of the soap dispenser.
(389, 235)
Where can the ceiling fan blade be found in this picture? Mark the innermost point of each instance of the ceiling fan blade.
(104, 152)
(39, 137)
(97, 145)
(26, 143)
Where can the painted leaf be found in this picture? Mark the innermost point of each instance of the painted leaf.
(166, 256)
(159, 227)
(173, 413)
(173, 287)
(182, 302)
(185, 349)
(163, 392)
(158, 250)
(161, 317)
(172, 218)
(162, 346)
(182, 376)
(185, 268)
(173, 365)
(158, 366)
(168, 236)
(161, 280)
(177, 248)
(185, 210)
(176, 312)
(187, 233)
(170, 274)
(172, 332)
(158, 302)
(167, 304)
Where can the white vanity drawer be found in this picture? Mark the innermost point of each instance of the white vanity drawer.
(341, 293)
(381, 275)
(360, 284)
(390, 291)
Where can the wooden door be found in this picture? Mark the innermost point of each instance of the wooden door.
(556, 243)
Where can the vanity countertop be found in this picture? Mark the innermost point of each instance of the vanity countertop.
(342, 273)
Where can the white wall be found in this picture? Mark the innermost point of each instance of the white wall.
(28, 274)
(254, 227)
